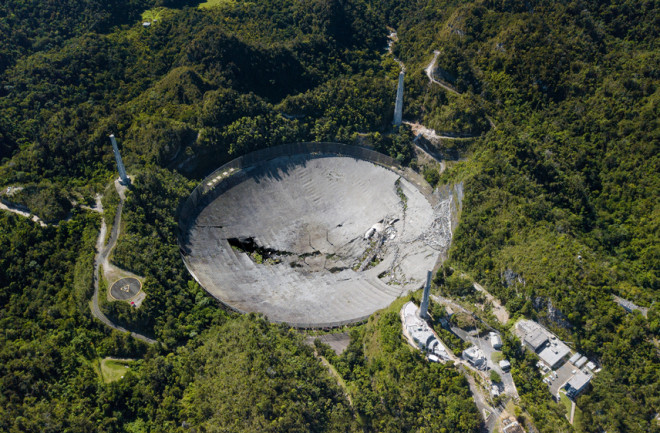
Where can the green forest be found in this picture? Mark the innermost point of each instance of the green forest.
(557, 104)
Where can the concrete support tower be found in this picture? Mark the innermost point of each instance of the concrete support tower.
(398, 105)
(123, 178)
(424, 308)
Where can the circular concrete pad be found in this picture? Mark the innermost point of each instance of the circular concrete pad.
(314, 240)
(125, 288)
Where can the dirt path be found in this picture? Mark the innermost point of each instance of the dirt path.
(429, 73)
(498, 309)
(23, 213)
(101, 259)
(36, 219)
(431, 135)
(98, 207)
(334, 373)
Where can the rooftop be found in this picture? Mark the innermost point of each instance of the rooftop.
(420, 331)
(579, 381)
(554, 352)
(550, 349)
(536, 339)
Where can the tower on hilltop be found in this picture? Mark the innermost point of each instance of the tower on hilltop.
(398, 104)
(123, 178)
(424, 308)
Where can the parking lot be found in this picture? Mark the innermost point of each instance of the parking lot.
(563, 375)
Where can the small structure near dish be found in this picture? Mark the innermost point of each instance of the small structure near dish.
(495, 340)
(580, 362)
(125, 289)
(577, 384)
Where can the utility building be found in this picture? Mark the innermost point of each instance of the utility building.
(546, 345)
(495, 340)
(577, 384)
(536, 340)
(421, 333)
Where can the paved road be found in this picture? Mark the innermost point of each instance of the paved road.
(102, 253)
(490, 423)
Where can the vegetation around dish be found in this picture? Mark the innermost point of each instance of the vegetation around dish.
(560, 173)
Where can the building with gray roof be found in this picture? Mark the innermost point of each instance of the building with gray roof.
(577, 384)
(547, 346)
(554, 353)
(536, 340)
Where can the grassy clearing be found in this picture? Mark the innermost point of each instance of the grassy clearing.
(567, 403)
(577, 419)
(153, 14)
(114, 369)
(216, 3)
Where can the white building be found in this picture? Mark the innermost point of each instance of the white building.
(577, 384)
(495, 340)
(475, 356)
(421, 333)
(544, 343)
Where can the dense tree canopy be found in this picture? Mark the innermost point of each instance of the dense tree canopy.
(560, 101)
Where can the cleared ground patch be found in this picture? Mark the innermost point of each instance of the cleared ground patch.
(154, 14)
(114, 369)
(125, 288)
(216, 3)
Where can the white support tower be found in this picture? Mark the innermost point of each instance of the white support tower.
(398, 104)
(424, 308)
(123, 178)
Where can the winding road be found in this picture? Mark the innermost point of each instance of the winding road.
(23, 213)
(102, 257)
(429, 73)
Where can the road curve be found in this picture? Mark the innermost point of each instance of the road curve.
(429, 73)
(102, 254)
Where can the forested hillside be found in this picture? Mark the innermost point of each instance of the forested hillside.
(563, 194)
(559, 99)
